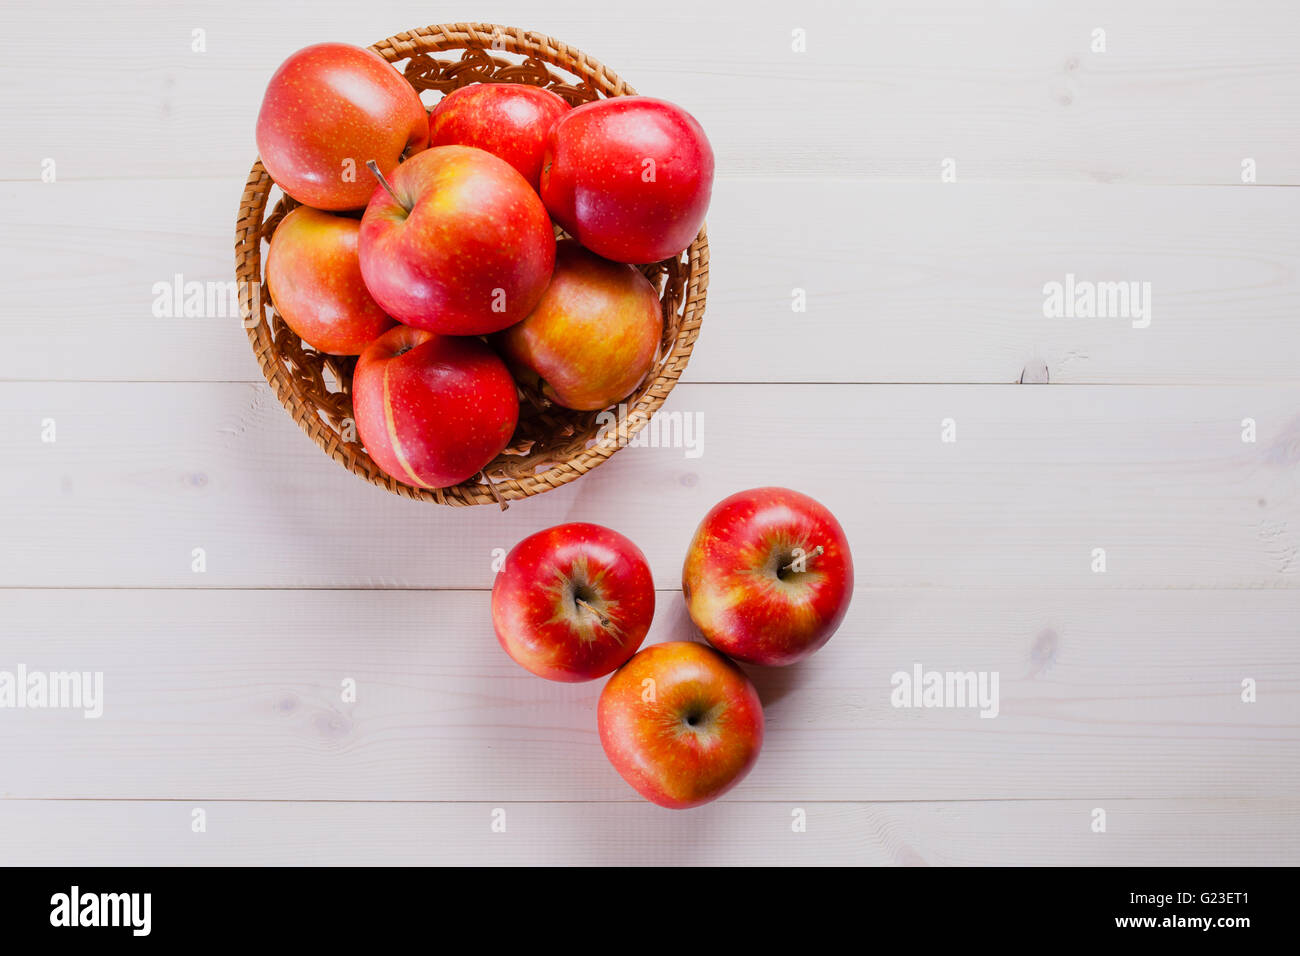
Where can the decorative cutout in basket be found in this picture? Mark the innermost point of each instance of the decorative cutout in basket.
(551, 445)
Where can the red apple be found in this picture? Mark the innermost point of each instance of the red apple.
(461, 245)
(329, 109)
(768, 576)
(573, 602)
(629, 177)
(680, 723)
(592, 337)
(509, 120)
(315, 282)
(432, 410)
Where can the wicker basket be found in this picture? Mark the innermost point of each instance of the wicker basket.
(551, 445)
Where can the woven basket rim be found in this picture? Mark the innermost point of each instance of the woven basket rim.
(649, 396)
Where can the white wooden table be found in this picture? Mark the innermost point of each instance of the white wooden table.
(1120, 690)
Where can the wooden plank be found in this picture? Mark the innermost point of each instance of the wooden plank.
(902, 282)
(1012, 91)
(992, 833)
(211, 695)
(142, 474)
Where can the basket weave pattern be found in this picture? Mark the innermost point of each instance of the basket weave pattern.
(551, 445)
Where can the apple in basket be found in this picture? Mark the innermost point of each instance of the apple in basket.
(329, 109)
(509, 120)
(314, 277)
(592, 337)
(432, 410)
(768, 576)
(680, 723)
(573, 602)
(456, 242)
(629, 177)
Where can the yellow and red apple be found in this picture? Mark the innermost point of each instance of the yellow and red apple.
(593, 336)
(432, 410)
(328, 110)
(768, 576)
(573, 602)
(315, 282)
(680, 723)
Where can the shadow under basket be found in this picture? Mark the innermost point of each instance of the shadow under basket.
(551, 445)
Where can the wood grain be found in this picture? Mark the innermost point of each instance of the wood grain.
(996, 833)
(238, 695)
(1039, 477)
(1012, 91)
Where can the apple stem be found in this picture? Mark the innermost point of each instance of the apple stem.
(815, 552)
(604, 621)
(374, 168)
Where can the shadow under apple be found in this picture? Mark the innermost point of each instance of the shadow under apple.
(673, 623)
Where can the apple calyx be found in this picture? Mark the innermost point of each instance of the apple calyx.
(814, 553)
(697, 718)
(374, 168)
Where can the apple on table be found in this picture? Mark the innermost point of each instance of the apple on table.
(573, 602)
(680, 723)
(768, 576)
